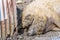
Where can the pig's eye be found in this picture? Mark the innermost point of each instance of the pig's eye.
(28, 17)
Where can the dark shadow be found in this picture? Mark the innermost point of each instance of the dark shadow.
(19, 21)
(19, 16)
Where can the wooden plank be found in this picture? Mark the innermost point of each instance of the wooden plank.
(15, 14)
(0, 29)
(2, 20)
(11, 23)
(6, 17)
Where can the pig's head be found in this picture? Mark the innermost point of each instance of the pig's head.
(38, 25)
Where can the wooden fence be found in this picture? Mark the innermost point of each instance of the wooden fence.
(8, 17)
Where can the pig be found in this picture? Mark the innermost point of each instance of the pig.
(41, 16)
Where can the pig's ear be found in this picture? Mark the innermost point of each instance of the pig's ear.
(27, 21)
(48, 28)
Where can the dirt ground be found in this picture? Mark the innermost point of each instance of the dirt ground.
(52, 35)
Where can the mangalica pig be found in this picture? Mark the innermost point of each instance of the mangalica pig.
(41, 16)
